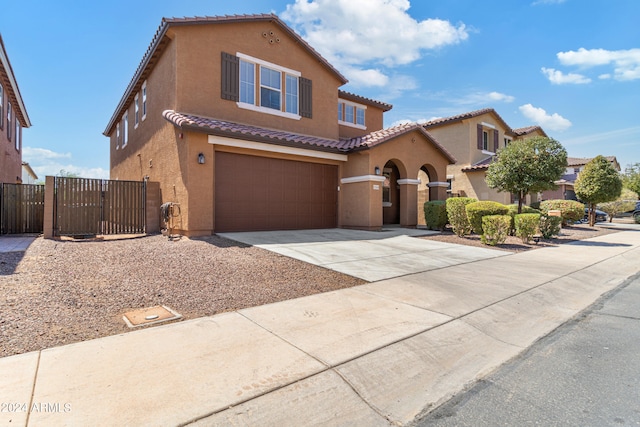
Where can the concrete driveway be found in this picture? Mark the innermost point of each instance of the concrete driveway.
(369, 255)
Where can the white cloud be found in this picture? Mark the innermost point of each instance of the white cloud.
(484, 98)
(548, 121)
(350, 35)
(626, 63)
(558, 77)
(45, 162)
(42, 154)
(605, 76)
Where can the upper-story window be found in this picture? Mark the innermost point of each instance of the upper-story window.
(351, 114)
(136, 110)
(144, 100)
(117, 135)
(17, 137)
(265, 87)
(9, 121)
(488, 138)
(1, 107)
(125, 129)
(507, 141)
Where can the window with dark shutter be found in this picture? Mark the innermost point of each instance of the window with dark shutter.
(495, 141)
(479, 136)
(305, 97)
(230, 77)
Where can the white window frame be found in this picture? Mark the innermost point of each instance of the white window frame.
(271, 88)
(117, 135)
(353, 122)
(17, 136)
(9, 121)
(144, 101)
(136, 111)
(125, 129)
(255, 106)
(507, 141)
(485, 140)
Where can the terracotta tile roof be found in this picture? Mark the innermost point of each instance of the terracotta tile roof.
(527, 130)
(253, 133)
(468, 115)
(581, 161)
(11, 90)
(378, 137)
(362, 100)
(278, 137)
(481, 165)
(161, 40)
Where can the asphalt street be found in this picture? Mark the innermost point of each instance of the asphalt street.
(585, 373)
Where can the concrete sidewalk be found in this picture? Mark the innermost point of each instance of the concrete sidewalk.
(376, 354)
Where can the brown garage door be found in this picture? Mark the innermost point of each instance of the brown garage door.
(260, 193)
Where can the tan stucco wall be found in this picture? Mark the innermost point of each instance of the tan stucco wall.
(362, 202)
(199, 50)
(10, 158)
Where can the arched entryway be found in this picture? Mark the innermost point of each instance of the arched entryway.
(390, 194)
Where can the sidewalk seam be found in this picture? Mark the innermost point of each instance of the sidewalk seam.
(33, 389)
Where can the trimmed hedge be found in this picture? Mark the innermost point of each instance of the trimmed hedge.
(550, 225)
(457, 214)
(513, 211)
(435, 214)
(527, 226)
(476, 210)
(496, 229)
(570, 209)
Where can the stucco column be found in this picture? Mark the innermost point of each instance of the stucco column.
(438, 190)
(49, 200)
(408, 202)
(361, 205)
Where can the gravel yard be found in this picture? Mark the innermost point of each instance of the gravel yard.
(60, 292)
(64, 291)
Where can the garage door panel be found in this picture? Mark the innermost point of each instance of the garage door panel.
(259, 193)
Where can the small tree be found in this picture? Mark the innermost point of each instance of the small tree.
(598, 182)
(528, 166)
(631, 178)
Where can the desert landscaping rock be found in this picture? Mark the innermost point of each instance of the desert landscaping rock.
(60, 292)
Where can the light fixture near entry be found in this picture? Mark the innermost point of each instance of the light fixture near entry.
(201, 158)
(377, 170)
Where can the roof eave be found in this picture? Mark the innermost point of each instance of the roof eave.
(6, 65)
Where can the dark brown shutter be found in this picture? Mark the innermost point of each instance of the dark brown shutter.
(479, 136)
(305, 97)
(495, 141)
(230, 77)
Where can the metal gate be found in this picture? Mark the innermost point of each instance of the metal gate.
(95, 206)
(21, 208)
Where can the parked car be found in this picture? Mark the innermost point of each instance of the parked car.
(600, 215)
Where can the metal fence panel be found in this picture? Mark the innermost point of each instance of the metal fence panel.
(93, 206)
(21, 208)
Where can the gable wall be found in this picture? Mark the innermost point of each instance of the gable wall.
(199, 49)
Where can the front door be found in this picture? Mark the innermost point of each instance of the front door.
(390, 195)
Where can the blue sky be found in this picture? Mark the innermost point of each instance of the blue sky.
(571, 66)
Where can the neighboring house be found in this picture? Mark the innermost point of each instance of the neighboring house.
(244, 126)
(474, 138)
(28, 175)
(13, 117)
(566, 182)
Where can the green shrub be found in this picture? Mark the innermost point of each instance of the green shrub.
(513, 211)
(637, 219)
(496, 229)
(527, 226)
(457, 215)
(550, 225)
(476, 210)
(435, 214)
(570, 209)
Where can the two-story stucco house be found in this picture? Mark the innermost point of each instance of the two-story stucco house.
(245, 127)
(474, 138)
(13, 117)
(566, 183)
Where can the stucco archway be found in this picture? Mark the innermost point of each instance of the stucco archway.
(391, 198)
